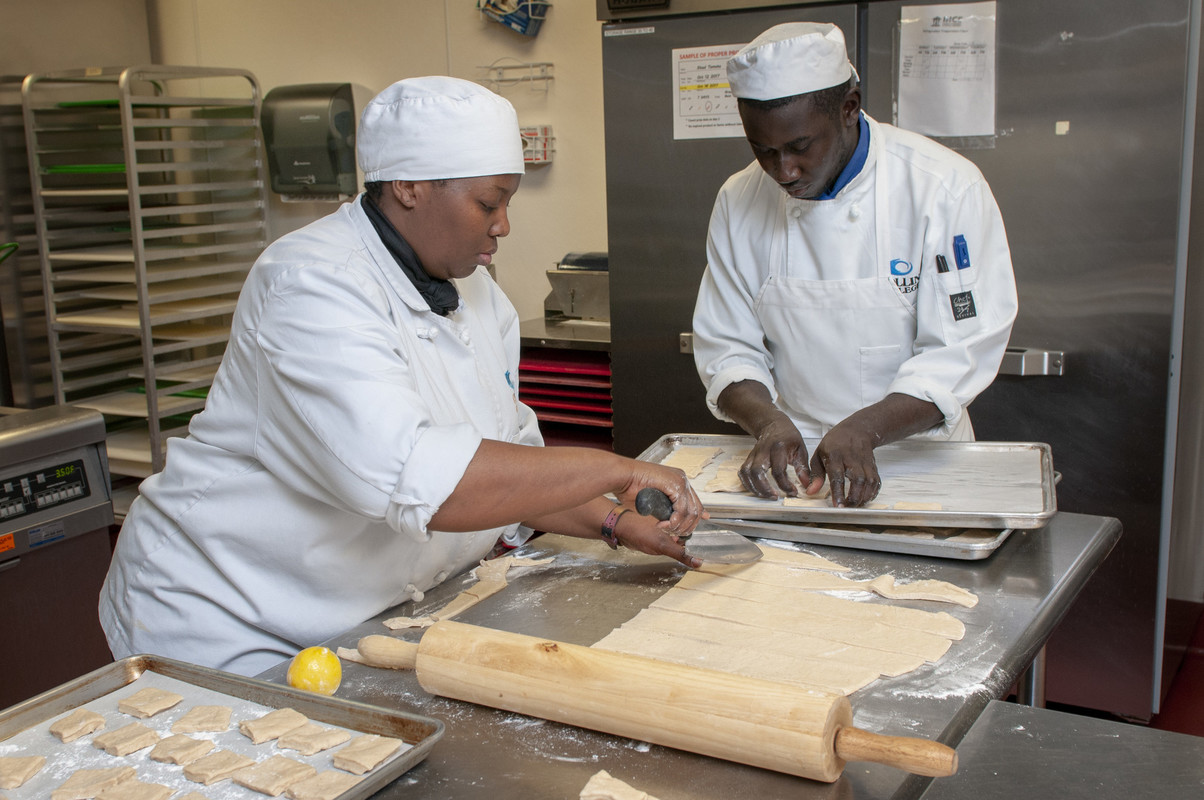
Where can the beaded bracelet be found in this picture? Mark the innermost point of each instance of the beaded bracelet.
(608, 526)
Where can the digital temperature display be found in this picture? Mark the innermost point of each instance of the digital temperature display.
(21, 495)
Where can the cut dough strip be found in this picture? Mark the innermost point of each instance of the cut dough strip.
(15, 770)
(148, 702)
(79, 722)
(819, 674)
(692, 459)
(783, 602)
(804, 618)
(762, 639)
(793, 578)
(491, 579)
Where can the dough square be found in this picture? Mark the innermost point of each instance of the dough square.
(365, 753)
(123, 741)
(180, 749)
(323, 786)
(85, 784)
(15, 770)
(203, 719)
(272, 724)
(148, 702)
(136, 790)
(79, 722)
(273, 775)
(216, 766)
(311, 738)
(192, 796)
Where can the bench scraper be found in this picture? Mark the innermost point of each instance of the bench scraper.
(708, 542)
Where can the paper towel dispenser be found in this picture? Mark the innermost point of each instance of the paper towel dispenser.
(309, 136)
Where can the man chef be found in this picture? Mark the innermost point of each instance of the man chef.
(363, 439)
(859, 285)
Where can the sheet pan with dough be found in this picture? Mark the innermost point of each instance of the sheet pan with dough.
(924, 483)
(64, 759)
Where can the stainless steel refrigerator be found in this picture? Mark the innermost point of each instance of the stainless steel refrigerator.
(1091, 165)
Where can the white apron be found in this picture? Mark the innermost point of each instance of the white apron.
(837, 344)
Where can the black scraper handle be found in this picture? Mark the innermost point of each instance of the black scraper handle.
(653, 502)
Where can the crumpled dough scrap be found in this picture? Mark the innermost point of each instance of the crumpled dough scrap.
(603, 786)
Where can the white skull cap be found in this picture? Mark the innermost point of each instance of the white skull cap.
(437, 127)
(789, 59)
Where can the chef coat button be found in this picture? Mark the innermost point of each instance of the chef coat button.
(441, 577)
(464, 336)
(796, 212)
(427, 333)
(854, 211)
(413, 592)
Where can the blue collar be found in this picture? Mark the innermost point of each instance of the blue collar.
(855, 164)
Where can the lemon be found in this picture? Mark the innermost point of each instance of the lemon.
(315, 669)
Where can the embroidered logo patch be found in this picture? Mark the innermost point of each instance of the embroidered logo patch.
(963, 305)
(901, 273)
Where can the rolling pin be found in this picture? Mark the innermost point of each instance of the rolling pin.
(747, 720)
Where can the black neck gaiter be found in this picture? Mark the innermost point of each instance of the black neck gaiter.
(439, 294)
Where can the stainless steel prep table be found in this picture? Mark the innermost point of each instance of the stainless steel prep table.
(1016, 751)
(1023, 589)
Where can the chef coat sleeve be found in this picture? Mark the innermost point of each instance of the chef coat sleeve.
(339, 417)
(729, 342)
(964, 316)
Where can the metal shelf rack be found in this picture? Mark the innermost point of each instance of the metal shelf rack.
(150, 197)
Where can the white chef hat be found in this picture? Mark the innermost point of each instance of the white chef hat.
(789, 59)
(437, 127)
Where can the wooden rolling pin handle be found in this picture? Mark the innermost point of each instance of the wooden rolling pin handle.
(388, 652)
(918, 756)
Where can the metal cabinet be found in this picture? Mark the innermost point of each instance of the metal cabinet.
(149, 195)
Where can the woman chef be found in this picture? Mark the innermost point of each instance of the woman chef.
(363, 439)
(859, 285)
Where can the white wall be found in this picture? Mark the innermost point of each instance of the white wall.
(560, 207)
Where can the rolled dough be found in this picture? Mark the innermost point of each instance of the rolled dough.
(804, 617)
(775, 640)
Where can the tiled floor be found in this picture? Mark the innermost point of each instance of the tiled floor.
(1183, 709)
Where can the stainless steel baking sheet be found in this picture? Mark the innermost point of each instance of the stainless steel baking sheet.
(968, 544)
(24, 728)
(995, 485)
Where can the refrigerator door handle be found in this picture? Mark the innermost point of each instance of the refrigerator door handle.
(1031, 361)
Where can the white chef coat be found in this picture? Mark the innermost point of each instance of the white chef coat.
(834, 304)
(344, 413)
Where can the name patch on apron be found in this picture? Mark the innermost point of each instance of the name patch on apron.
(963, 305)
